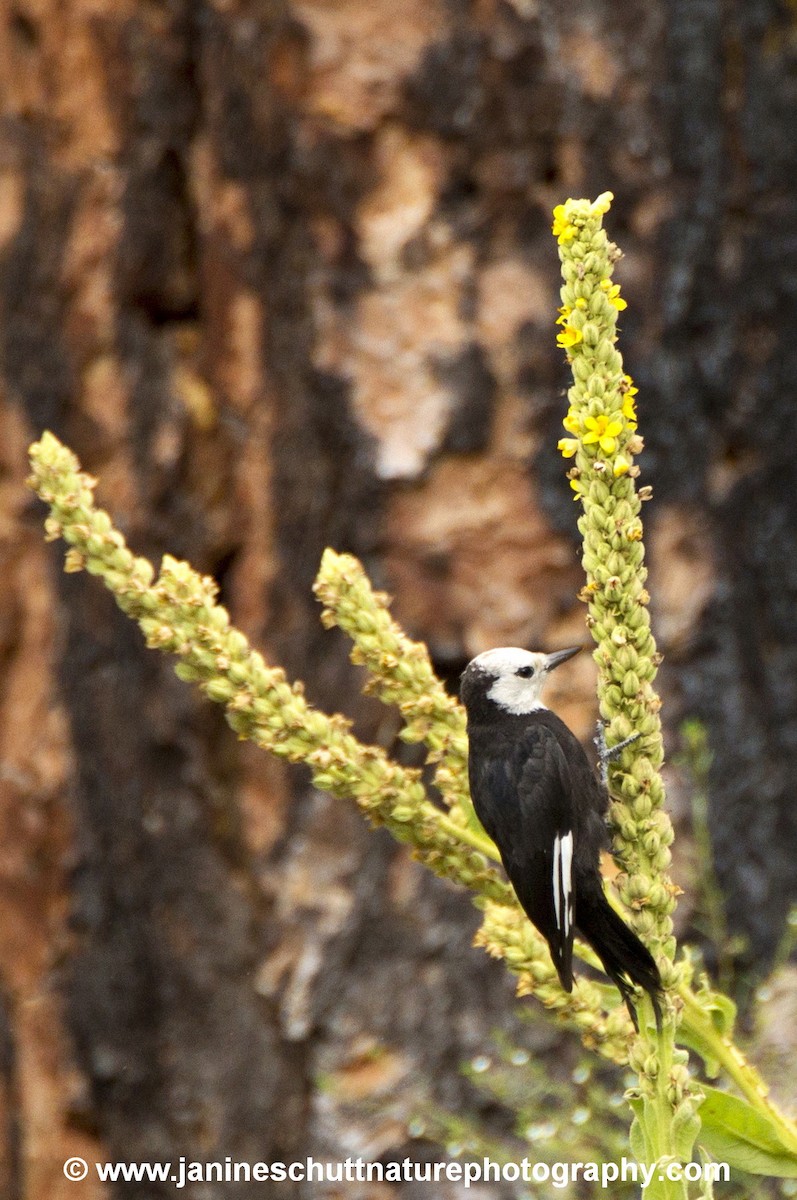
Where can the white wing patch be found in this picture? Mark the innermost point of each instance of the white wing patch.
(557, 866)
(567, 880)
(563, 882)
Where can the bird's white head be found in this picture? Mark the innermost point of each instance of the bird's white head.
(513, 678)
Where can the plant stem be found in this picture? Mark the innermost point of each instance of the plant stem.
(747, 1079)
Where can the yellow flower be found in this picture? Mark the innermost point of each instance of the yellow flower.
(602, 205)
(628, 391)
(571, 422)
(562, 229)
(620, 466)
(569, 337)
(604, 431)
(627, 386)
(612, 291)
(564, 314)
(568, 446)
(581, 303)
(577, 487)
(629, 410)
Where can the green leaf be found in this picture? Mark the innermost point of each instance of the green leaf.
(722, 1011)
(736, 1133)
(637, 1141)
(707, 1192)
(693, 1040)
(685, 1128)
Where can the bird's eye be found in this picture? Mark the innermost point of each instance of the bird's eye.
(525, 672)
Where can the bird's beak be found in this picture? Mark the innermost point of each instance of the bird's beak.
(559, 656)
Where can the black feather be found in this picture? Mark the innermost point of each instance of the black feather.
(625, 959)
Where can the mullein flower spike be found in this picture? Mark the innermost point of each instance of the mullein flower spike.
(602, 419)
(177, 612)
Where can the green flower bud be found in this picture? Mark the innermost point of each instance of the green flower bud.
(221, 691)
(186, 672)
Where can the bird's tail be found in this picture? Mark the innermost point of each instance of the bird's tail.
(625, 959)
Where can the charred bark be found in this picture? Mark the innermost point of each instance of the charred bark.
(282, 274)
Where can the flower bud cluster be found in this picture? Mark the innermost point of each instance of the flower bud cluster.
(603, 423)
(602, 419)
(178, 613)
(401, 673)
(506, 933)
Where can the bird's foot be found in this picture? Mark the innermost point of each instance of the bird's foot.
(607, 754)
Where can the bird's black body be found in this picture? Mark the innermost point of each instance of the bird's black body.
(539, 800)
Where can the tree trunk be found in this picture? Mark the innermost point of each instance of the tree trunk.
(282, 275)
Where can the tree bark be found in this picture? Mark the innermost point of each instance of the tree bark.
(282, 274)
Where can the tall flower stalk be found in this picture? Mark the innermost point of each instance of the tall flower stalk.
(602, 423)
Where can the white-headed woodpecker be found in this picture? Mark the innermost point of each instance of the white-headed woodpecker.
(540, 801)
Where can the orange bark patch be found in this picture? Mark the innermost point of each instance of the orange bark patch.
(474, 562)
(362, 50)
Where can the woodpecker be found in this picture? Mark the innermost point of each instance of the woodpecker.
(539, 800)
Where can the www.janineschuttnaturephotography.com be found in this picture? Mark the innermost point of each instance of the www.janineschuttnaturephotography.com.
(359, 1170)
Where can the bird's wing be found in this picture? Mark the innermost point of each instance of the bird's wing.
(525, 800)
